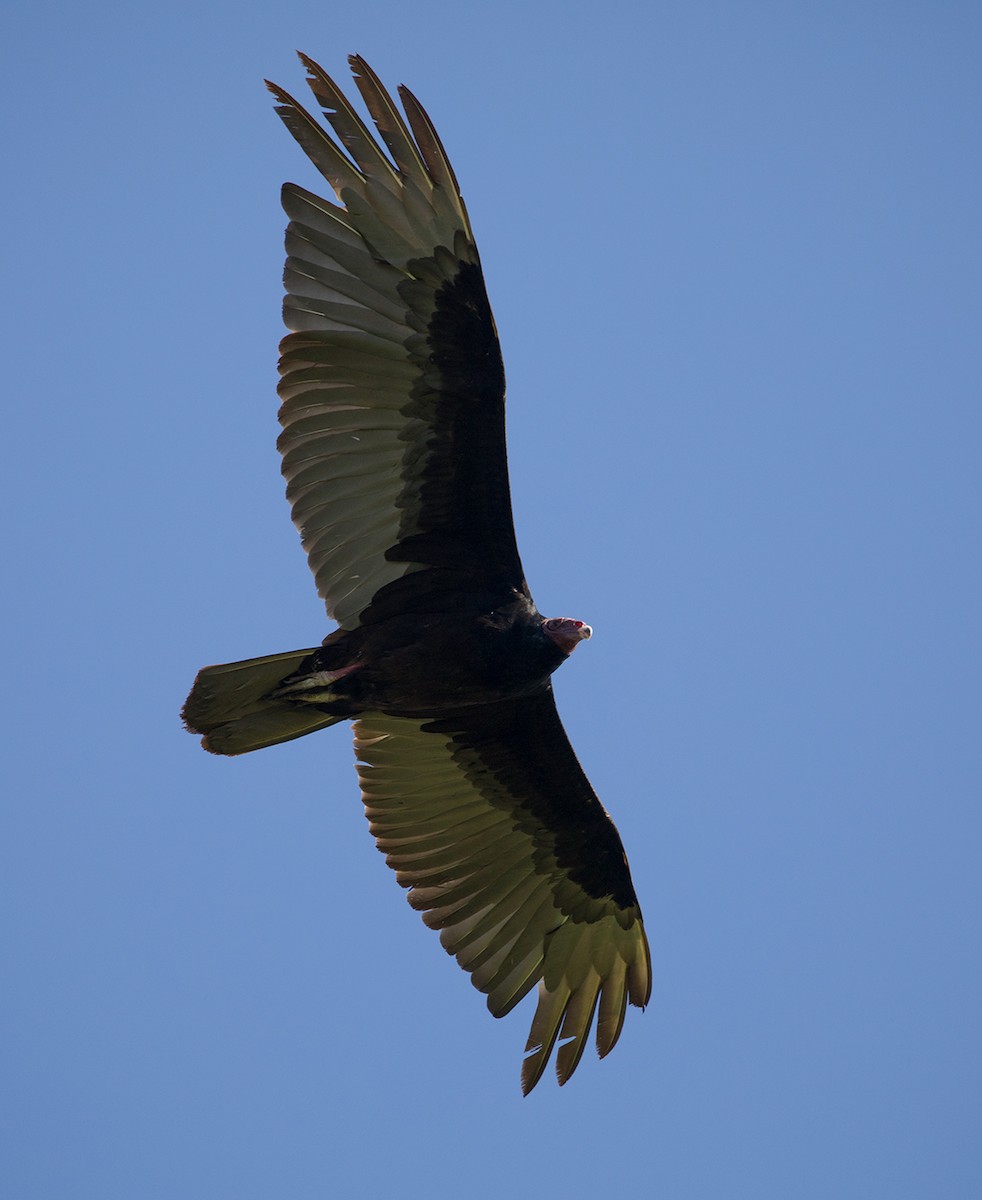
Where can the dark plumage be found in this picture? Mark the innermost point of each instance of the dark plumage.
(393, 449)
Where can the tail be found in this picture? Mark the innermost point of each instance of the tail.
(232, 706)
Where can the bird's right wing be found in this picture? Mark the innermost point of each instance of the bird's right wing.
(487, 816)
(392, 383)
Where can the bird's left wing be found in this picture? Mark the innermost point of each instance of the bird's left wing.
(392, 384)
(488, 818)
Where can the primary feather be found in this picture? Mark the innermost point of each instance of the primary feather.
(393, 447)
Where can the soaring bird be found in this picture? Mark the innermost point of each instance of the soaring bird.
(393, 445)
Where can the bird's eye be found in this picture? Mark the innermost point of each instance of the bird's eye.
(554, 622)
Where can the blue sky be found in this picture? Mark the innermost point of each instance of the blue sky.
(734, 256)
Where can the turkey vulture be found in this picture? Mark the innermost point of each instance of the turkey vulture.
(393, 449)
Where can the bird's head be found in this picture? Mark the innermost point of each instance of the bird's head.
(566, 633)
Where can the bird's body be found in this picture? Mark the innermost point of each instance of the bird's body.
(394, 453)
(497, 653)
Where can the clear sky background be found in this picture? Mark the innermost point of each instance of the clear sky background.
(734, 256)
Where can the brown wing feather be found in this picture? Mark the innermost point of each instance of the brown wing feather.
(488, 818)
(392, 384)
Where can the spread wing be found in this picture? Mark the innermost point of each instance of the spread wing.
(488, 818)
(392, 384)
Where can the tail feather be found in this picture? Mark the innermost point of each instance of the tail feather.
(230, 705)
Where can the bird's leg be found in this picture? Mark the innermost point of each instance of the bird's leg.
(314, 688)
